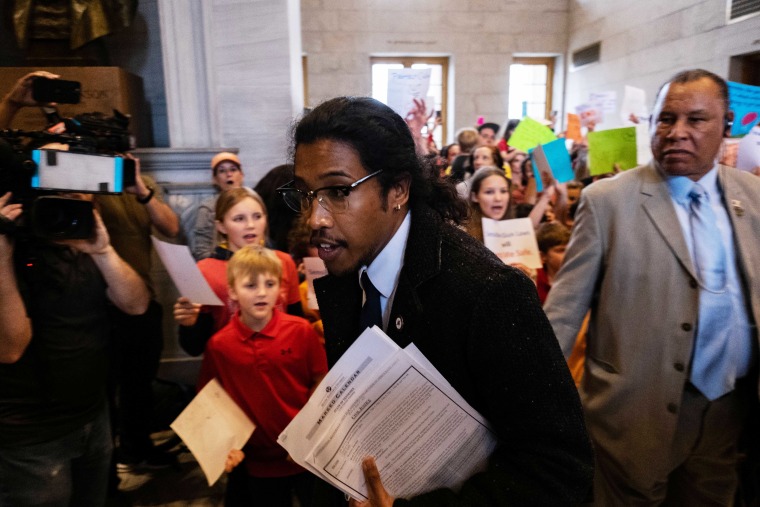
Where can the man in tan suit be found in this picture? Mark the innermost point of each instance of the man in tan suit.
(659, 326)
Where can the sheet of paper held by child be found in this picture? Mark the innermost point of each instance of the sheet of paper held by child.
(389, 403)
(212, 425)
(184, 273)
(513, 241)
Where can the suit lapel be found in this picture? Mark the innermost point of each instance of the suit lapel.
(736, 202)
(422, 260)
(658, 206)
(340, 302)
(340, 298)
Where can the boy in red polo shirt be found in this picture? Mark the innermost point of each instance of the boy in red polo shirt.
(269, 362)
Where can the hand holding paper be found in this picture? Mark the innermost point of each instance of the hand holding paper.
(391, 404)
(186, 312)
(377, 495)
(211, 425)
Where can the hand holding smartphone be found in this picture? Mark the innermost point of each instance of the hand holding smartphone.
(46, 90)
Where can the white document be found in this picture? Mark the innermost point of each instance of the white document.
(634, 103)
(749, 151)
(405, 85)
(393, 405)
(513, 241)
(211, 426)
(184, 272)
(315, 268)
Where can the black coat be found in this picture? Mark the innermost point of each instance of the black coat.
(481, 325)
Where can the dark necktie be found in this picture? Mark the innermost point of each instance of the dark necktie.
(371, 313)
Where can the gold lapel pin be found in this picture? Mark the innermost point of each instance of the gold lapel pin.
(738, 209)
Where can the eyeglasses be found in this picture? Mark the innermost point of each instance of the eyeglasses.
(333, 199)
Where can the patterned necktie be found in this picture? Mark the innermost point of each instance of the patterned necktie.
(711, 366)
(371, 314)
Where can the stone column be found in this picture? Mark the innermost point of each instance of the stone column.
(190, 103)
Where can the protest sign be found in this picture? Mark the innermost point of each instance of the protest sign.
(405, 85)
(607, 101)
(590, 114)
(529, 133)
(609, 147)
(554, 158)
(513, 241)
(573, 130)
(745, 103)
(748, 157)
(634, 103)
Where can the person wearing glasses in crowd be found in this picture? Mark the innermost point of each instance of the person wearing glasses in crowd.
(383, 223)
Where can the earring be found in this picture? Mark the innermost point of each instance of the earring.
(398, 207)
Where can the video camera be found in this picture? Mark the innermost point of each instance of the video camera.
(37, 174)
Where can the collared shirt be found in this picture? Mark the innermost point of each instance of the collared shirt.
(384, 271)
(269, 374)
(741, 345)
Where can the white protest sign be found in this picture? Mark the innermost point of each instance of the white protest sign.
(590, 113)
(749, 151)
(405, 85)
(607, 100)
(634, 103)
(513, 241)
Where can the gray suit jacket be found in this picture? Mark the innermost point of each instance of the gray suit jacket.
(628, 262)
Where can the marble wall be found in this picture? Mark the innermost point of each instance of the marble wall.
(479, 36)
(645, 42)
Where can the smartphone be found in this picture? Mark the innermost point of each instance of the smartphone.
(56, 90)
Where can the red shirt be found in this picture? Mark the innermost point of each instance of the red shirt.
(542, 285)
(269, 375)
(215, 273)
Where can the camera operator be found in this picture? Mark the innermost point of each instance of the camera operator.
(55, 443)
(137, 340)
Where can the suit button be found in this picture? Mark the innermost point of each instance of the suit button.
(686, 326)
(678, 366)
(399, 323)
(672, 408)
(693, 283)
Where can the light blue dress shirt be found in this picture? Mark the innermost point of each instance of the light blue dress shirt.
(385, 269)
(736, 333)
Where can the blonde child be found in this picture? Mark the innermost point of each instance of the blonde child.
(269, 362)
(241, 221)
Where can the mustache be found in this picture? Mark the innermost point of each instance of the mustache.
(320, 236)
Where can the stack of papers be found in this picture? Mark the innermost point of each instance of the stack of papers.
(392, 404)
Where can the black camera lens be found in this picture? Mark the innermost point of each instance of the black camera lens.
(62, 218)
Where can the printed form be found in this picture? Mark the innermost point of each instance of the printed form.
(392, 404)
